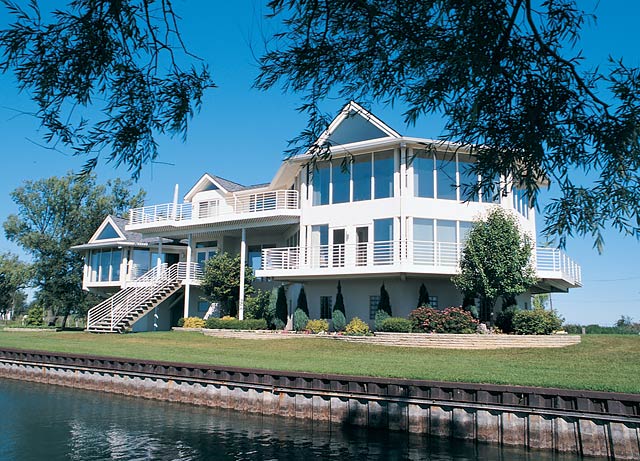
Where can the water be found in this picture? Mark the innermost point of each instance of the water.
(40, 422)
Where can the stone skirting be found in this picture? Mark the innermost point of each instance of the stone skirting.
(433, 340)
(582, 422)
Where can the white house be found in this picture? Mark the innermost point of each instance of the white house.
(385, 209)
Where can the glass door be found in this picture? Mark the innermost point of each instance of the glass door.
(362, 237)
(339, 240)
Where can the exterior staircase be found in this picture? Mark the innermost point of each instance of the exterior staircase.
(119, 312)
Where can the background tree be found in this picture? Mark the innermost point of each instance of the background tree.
(14, 276)
(221, 281)
(55, 214)
(496, 261)
(423, 296)
(282, 310)
(505, 75)
(123, 62)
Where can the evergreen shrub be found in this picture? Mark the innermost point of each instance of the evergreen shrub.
(193, 322)
(300, 320)
(339, 320)
(357, 327)
(317, 326)
(536, 322)
(396, 325)
(235, 324)
(380, 317)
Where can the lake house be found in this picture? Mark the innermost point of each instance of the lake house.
(385, 208)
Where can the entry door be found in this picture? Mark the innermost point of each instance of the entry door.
(339, 240)
(362, 241)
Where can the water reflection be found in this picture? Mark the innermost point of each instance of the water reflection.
(39, 422)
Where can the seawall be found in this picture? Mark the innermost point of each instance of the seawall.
(581, 422)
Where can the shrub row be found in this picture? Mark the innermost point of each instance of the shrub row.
(396, 325)
(231, 323)
(600, 330)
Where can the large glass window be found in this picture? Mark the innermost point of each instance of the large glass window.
(320, 245)
(105, 265)
(321, 177)
(446, 176)
(423, 174)
(468, 179)
(383, 166)
(340, 175)
(446, 231)
(465, 228)
(116, 260)
(140, 262)
(491, 192)
(423, 246)
(362, 178)
(383, 241)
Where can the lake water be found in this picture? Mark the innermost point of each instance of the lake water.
(50, 423)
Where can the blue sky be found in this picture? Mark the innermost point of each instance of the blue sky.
(241, 133)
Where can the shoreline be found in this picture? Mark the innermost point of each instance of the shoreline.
(588, 423)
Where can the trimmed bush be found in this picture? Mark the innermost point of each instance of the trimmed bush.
(300, 320)
(504, 320)
(357, 327)
(536, 322)
(281, 309)
(450, 320)
(302, 304)
(233, 323)
(384, 304)
(34, 317)
(426, 320)
(339, 304)
(317, 326)
(339, 321)
(180, 322)
(396, 325)
(423, 296)
(457, 320)
(193, 322)
(380, 317)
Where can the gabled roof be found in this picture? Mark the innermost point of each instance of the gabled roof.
(355, 124)
(208, 180)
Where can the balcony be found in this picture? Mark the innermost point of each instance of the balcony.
(264, 204)
(409, 257)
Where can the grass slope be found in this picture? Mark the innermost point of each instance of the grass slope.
(600, 362)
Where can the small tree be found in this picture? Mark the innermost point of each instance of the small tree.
(302, 302)
(423, 296)
(339, 305)
(496, 262)
(384, 304)
(281, 308)
(221, 281)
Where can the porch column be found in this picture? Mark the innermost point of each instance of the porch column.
(187, 282)
(159, 258)
(243, 259)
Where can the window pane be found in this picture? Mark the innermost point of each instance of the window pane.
(362, 178)
(105, 264)
(340, 183)
(491, 193)
(383, 229)
(383, 173)
(467, 180)
(446, 177)
(321, 184)
(116, 260)
(447, 231)
(423, 241)
(465, 228)
(140, 262)
(95, 265)
(423, 175)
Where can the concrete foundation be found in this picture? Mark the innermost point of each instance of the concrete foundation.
(379, 404)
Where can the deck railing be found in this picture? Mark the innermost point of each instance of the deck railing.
(241, 204)
(420, 253)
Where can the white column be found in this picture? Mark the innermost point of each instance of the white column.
(187, 284)
(159, 258)
(243, 258)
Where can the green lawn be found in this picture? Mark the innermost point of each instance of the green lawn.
(600, 362)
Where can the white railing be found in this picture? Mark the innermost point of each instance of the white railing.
(110, 312)
(554, 260)
(421, 253)
(242, 204)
